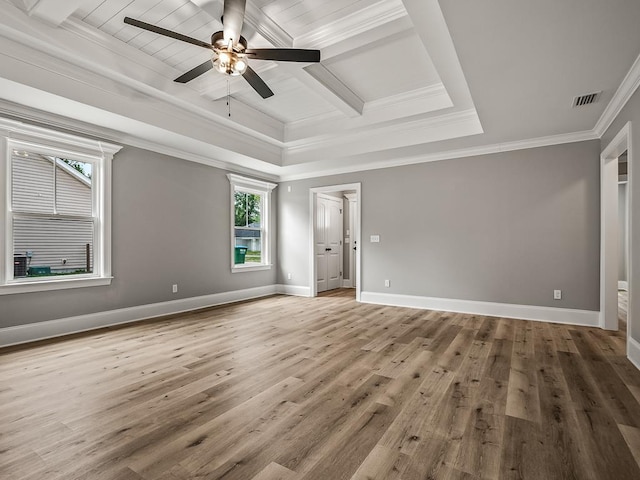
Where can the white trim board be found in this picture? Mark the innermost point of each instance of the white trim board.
(627, 88)
(295, 290)
(623, 285)
(585, 318)
(633, 351)
(92, 321)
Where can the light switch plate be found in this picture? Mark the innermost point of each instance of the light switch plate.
(375, 238)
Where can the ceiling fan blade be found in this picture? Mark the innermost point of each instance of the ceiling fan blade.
(166, 33)
(257, 83)
(284, 54)
(232, 19)
(195, 72)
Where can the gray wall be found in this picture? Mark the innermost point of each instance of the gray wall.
(631, 113)
(508, 228)
(171, 224)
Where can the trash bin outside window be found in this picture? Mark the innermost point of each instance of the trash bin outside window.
(19, 266)
(240, 254)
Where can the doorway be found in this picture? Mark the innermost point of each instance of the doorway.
(610, 231)
(623, 241)
(330, 246)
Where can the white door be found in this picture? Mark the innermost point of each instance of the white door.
(328, 248)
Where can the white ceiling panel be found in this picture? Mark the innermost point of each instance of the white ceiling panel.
(292, 100)
(385, 68)
(300, 16)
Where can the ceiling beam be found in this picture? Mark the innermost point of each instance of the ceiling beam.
(54, 12)
(319, 78)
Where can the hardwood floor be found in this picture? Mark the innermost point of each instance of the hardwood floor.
(326, 388)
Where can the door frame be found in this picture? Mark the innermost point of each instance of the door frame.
(352, 202)
(313, 193)
(609, 231)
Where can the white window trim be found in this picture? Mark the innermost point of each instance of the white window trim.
(256, 186)
(14, 134)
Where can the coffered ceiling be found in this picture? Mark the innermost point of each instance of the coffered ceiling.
(400, 81)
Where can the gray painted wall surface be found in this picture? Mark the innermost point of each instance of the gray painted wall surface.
(631, 113)
(508, 228)
(171, 224)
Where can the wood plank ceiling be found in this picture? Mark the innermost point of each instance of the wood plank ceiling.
(380, 68)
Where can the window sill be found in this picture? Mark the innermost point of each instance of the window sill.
(249, 268)
(46, 285)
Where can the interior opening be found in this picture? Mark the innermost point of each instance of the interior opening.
(623, 242)
(335, 227)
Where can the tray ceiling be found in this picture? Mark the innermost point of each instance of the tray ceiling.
(390, 84)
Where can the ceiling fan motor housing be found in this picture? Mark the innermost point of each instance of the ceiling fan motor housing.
(219, 43)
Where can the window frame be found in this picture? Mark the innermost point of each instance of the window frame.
(16, 135)
(264, 189)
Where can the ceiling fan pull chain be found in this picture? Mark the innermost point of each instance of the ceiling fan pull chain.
(229, 98)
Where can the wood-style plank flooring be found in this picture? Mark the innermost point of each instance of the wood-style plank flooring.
(296, 388)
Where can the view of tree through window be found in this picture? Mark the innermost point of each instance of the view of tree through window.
(248, 227)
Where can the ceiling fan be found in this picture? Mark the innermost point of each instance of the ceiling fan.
(230, 52)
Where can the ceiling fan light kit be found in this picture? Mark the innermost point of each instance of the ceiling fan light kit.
(230, 52)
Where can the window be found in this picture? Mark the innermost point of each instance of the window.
(54, 193)
(250, 209)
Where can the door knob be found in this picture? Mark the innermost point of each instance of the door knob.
(327, 249)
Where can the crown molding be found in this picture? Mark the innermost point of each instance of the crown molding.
(301, 172)
(23, 114)
(368, 18)
(369, 138)
(624, 92)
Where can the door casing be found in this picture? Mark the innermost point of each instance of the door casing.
(313, 192)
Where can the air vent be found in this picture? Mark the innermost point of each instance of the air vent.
(587, 99)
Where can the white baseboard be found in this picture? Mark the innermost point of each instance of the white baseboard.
(523, 312)
(81, 323)
(623, 285)
(295, 290)
(346, 284)
(633, 351)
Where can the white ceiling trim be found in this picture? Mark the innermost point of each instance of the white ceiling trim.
(265, 26)
(54, 12)
(152, 141)
(437, 91)
(384, 137)
(629, 85)
(416, 102)
(322, 75)
(301, 172)
(351, 25)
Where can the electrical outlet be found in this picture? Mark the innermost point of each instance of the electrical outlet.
(289, 276)
(557, 294)
(375, 238)
(174, 288)
(387, 283)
